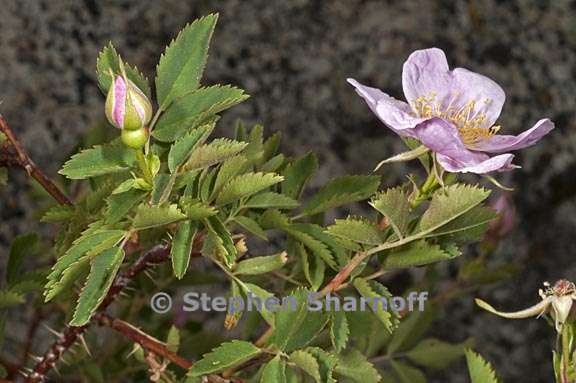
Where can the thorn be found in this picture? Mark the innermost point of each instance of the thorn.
(64, 360)
(149, 275)
(56, 333)
(24, 373)
(35, 357)
(57, 370)
(85, 344)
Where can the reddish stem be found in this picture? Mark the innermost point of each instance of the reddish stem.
(26, 162)
(70, 335)
(146, 341)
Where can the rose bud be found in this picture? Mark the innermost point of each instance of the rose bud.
(506, 221)
(127, 107)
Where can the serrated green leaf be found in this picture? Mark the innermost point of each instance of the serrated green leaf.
(273, 219)
(415, 254)
(246, 185)
(327, 363)
(354, 365)
(450, 203)
(163, 186)
(213, 153)
(261, 265)
(225, 356)
(295, 329)
(254, 151)
(206, 184)
(297, 173)
(339, 330)
(274, 371)
(32, 281)
(273, 164)
(263, 295)
(25, 245)
(119, 205)
(251, 226)
(228, 170)
(341, 191)
(183, 147)
(222, 238)
(469, 226)
(182, 63)
(394, 205)
(271, 145)
(103, 269)
(196, 210)
(91, 242)
(480, 370)
(153, 216)
(125, 186)
(434, 353)
(187, 180)
(182, 247)
(407, 373)
(99, 160)
(196, 108)
(374, 291)
(268, 200)
(311, 237)
(356, 230)
(314, 267)
(58, 213)
(307, 362)
(10, 298)
(109, 60)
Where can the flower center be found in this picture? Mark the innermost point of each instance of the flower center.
(471, 126)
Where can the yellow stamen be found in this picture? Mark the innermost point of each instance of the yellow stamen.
(471, 126)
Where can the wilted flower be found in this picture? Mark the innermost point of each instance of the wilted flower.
(452, 113)
(127, 107)
(556, 300)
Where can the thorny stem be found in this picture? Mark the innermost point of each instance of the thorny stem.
(146, 341)
(70, 335)
(26, 162)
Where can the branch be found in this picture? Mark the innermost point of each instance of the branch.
(26, 162)
(70, 335)
(146, 341)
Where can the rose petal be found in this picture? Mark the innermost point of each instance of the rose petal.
(119, 101)
(443, 138)
(561, 307)
(502, 162)
(536, 310)
(426, 73)
(505, 143)
(396, 114)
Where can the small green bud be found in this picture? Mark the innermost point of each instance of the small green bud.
(135, 139)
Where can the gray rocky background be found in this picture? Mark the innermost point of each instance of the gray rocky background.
(293, 56)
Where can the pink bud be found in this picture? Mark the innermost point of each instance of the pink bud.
(127, 107)
(506, 221)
